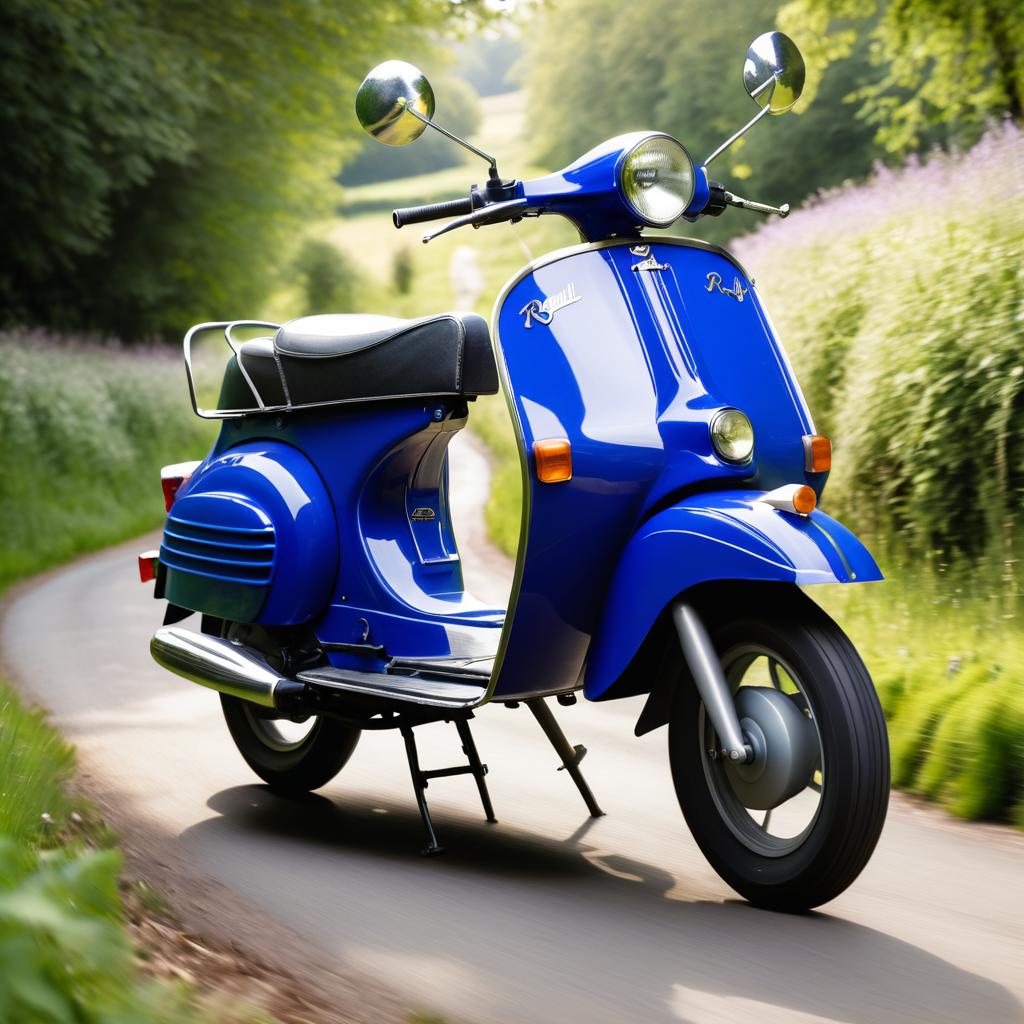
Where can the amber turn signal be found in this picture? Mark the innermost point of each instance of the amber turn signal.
(554, 460)
(791, 498)
(817, 453)
(804, 500)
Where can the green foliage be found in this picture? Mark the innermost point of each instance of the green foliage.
(677, 70)
(900, 304)
(951, 64)
(948, 664)
(159, 156)
(402, 270)
(489, 63)
(490, 421)
(328, 278)
(65, 954)
(85, 430)
(34, 765)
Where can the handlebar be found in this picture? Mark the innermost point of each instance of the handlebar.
(431, 211)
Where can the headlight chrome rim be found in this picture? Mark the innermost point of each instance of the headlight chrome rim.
(631, 153)
(718, 445)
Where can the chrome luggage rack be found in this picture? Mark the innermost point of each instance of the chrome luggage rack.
(235, 345)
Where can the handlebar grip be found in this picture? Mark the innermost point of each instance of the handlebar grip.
(432, 211)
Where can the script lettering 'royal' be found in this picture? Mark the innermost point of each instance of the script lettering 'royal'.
(544, 310)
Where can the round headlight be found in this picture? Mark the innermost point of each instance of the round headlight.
(657, 180)
(732, 436)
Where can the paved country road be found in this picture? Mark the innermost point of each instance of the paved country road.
(545, 917)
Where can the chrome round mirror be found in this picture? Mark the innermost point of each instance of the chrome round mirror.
(773, 72)
(386, 99)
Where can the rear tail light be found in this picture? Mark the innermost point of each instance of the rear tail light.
(173, 477)
(148, 563)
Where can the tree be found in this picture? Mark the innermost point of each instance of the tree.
(946, 65)
(159, 155)
(678, 71)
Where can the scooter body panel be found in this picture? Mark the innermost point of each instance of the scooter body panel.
(394, 578)
(721, 535)
(252, 537)
(627, 350)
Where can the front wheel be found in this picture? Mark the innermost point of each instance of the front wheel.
(793, 829)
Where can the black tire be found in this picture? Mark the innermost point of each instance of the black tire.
(854, 747)
(299, 768)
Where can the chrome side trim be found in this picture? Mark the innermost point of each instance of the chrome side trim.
(218, 664)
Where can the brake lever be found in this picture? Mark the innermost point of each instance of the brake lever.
(493, 214)
(749, 204)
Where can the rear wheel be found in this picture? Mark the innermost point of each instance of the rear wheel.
(793, 829)
(290, 755)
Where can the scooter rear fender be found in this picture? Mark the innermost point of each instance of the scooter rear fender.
(726, 535)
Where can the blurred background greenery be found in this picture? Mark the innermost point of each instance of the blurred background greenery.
(167, 163)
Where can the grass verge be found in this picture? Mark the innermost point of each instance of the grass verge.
(85, 428)
(65, 950)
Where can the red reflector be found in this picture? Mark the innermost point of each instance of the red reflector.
(148, 561)
(171, 486)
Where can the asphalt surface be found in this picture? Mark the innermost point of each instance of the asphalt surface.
(547, 916)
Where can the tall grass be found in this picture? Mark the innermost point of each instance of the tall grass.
(901, 304)
(84, 430)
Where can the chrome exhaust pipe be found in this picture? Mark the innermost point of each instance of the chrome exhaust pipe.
(221, 665)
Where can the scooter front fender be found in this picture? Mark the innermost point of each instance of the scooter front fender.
(724, 535)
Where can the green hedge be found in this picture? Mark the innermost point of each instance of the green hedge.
(84, 430)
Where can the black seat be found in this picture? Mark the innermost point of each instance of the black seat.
(354, 358)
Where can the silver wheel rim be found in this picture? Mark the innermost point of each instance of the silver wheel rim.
(280, 734)
(783, 829)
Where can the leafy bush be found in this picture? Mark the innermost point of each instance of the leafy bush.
(329, 280)
(65, 955)
(402, 270)
(900, 304)
(66, 958)
(85, 431)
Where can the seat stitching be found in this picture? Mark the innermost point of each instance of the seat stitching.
(280, 373)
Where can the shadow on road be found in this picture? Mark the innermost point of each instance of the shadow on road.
(598, 916)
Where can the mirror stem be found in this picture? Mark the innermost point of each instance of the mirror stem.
(494, 177)
(728, 142)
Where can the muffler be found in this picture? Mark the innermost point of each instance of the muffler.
(221, 665)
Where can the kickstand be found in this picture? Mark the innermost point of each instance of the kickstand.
(478, 770)
(421, 778)
(570, 755)
(419, 784)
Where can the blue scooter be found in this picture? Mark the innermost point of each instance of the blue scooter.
(670, 475)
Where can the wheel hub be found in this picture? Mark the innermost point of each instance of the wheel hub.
(785, 746)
